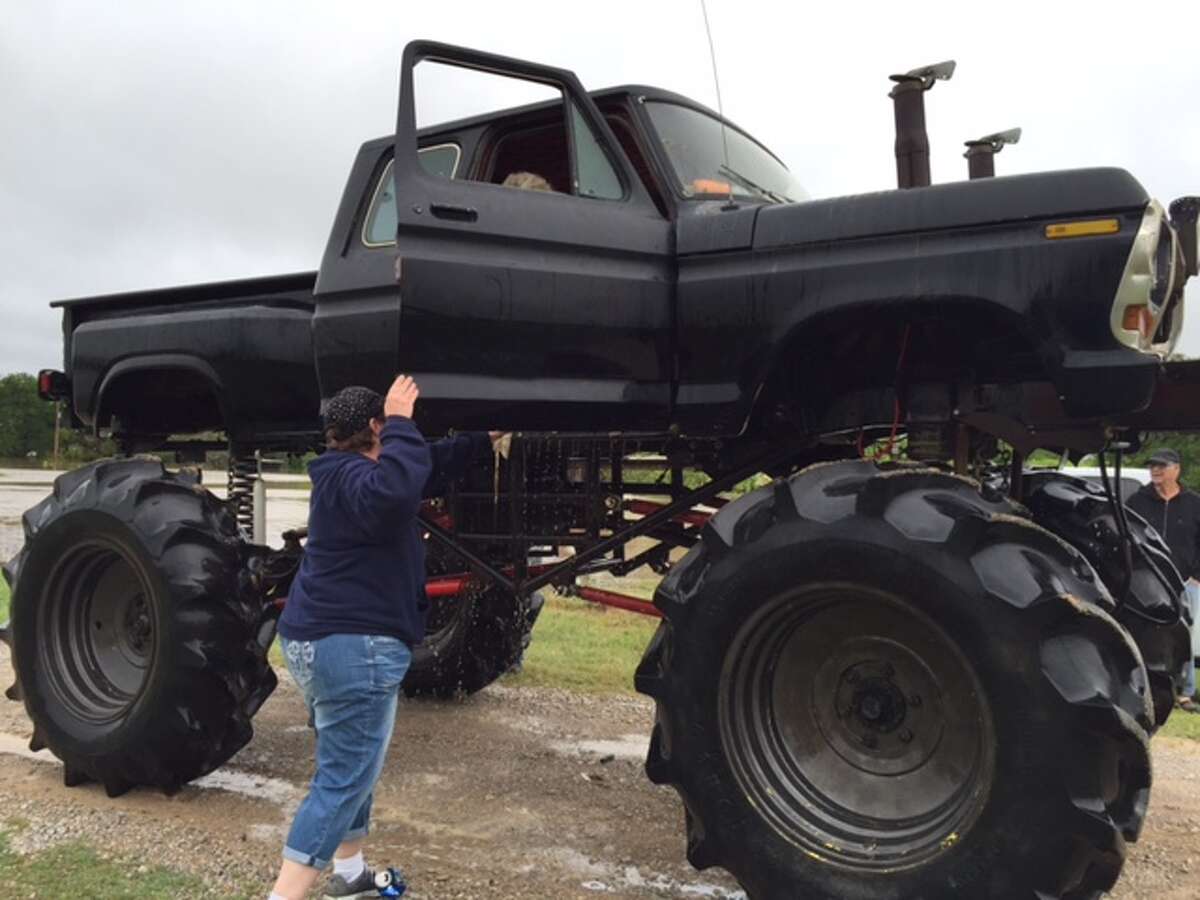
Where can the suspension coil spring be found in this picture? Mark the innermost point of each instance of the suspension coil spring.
(243, 470)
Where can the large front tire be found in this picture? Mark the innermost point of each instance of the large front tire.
(1152, 610)
(881, 685)
(139, 648)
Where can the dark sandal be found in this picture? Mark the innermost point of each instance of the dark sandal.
(1188, 705)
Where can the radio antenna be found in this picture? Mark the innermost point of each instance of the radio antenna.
(712, 55)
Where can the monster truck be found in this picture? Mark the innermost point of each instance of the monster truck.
(875, 677)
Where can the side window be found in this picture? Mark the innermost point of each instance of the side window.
(380, 227)
(595, 176)
(536, 138)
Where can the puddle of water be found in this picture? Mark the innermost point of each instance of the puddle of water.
(15, 746)
(604, 877)
(257, 787)
(629, 746)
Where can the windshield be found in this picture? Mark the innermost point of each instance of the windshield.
(694, 145)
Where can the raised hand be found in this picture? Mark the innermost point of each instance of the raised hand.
(401, 397)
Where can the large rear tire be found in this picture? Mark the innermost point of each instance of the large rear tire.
(139, 646)
(471, 639)
(880, 685)
(1152, 611)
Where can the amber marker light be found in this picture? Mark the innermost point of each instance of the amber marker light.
(1134, 318)
(1083, 229)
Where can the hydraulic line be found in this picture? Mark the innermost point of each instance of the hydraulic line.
(1117, 506)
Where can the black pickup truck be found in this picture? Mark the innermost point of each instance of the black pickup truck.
(886, 674)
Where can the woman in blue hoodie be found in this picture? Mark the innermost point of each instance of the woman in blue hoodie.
(356, 608)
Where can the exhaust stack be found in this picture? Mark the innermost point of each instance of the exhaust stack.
(912, 140)
(981, 153)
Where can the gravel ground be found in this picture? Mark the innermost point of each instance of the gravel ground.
(528, 793)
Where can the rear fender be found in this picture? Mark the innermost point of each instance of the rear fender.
(160, 366)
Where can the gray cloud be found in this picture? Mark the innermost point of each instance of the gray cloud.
(150, 144)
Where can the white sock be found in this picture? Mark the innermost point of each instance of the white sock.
(275, 896)
(350, 867)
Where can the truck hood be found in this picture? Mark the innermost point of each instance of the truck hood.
(987, 201)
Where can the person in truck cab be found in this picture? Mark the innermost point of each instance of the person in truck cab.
(528, 181)
(1174, 511)
(356, 608)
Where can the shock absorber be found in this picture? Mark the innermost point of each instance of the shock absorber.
(243, 472)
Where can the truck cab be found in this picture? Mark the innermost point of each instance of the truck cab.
(539, 307)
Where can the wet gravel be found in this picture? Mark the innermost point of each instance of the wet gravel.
(513, 793)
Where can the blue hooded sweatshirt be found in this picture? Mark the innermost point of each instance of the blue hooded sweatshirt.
(363, 570)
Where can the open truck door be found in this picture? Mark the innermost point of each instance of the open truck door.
(560, 298)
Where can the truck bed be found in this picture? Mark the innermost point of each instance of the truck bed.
(189, 359)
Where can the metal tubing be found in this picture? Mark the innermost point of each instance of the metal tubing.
(620, 601)
(646, 507)
(473, 560)
(260, 501)
(912, 140)
(666, 514)
(1016, 475)
(981, 160)
(445, 587)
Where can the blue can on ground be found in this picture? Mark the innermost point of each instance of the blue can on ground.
(390, 883)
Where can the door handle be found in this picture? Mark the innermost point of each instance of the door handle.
(453, 213)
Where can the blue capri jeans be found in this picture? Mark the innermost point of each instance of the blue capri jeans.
(351, 684)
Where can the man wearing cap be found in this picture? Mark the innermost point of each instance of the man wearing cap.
(1174, 512)
(356, 608)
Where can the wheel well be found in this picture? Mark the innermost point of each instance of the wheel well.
(160, 399)
(868, 352)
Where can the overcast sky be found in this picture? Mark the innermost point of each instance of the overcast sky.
(151, 144)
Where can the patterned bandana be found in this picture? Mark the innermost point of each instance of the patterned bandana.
(350, 410)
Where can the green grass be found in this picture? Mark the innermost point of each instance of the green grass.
(1182, 725)
(583, 647)
(3, 600)
(77, 869)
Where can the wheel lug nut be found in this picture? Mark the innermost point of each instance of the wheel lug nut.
(914, 701)
(852, 677)
(906, 735)
(870, 741)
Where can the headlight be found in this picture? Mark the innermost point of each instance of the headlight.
(1145, 314)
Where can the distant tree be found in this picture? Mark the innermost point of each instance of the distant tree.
(26, 422)
(79, 446)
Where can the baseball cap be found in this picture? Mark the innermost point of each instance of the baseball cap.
(351, 410)
(1164, 457)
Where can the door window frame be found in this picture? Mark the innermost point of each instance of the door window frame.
(405, 157)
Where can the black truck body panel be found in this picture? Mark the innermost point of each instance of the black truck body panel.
(235, 355)
(975, 251)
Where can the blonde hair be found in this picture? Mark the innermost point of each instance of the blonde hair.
(526, 181)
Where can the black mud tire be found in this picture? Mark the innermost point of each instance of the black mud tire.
(1153, 610)
(471, 639)
(139, 647)
(803, 625)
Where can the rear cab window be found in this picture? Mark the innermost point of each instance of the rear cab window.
(379, 229)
